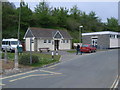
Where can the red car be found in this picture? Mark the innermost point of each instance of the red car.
(87, 48)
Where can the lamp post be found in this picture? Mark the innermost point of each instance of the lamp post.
(80, 34)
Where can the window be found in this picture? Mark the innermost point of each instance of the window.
(84, 45)
(3, 42)
(67, 41)
(112, 36)
(49, 41)
(14, 42)
(45, 41)
(63, 41)
(118, 36)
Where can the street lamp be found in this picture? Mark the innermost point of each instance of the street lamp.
(80, 34)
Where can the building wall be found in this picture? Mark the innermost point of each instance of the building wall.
(27, 44)
(102, 42)
(113, 43)
(41, 44)
(86, 39)
(65, 46)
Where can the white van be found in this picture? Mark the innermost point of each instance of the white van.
(10, 44)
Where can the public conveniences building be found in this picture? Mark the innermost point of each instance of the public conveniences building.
(102, 40)
(47, 38)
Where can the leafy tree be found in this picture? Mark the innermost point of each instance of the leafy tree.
(42, 14)
(59, 16)
(75, 12)
(112, 24)
(26, 15)
(9, 19)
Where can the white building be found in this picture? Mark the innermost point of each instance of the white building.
(102, 40)
(47, 38)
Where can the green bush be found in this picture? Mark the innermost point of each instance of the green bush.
(25, 59)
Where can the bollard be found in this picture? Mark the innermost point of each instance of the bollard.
(52, 55)
(5, 56)
(56, 52)
(16, 58)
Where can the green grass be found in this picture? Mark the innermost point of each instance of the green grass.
(10, 56)
(44, 59)
(72, 51)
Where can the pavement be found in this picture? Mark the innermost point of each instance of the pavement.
(96, 70)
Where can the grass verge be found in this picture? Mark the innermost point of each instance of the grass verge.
(44, 59)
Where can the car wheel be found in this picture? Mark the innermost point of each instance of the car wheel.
(90, 51)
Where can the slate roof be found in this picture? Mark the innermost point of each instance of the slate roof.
(45, 33)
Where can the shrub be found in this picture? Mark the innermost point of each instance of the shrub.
(25, 59)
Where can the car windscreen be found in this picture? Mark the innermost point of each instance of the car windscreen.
(84, 45)
(14, 42)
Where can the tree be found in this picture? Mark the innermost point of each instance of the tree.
(9, 20)
(112, 24)
(42, 14)
(25, 14)
(75, 12)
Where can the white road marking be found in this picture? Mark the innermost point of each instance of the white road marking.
(115, 83)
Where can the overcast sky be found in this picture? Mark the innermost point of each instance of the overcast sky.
(104, 9)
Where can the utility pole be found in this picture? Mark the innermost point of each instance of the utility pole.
(19, 21)
(16, 58)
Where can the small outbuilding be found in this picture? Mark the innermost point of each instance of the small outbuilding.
(102, 40)
(47, 38)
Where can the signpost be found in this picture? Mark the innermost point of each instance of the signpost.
(30, 50)
(5, 56)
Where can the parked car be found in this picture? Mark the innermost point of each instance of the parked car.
(88, 48)
(10, 44)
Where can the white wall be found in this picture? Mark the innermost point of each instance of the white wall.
(41, 44)
(114, 42)
(27, 44)
(65, 46)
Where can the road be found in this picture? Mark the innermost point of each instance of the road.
(96, 70)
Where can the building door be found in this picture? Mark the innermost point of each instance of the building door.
(94, 42)
(56, 45)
